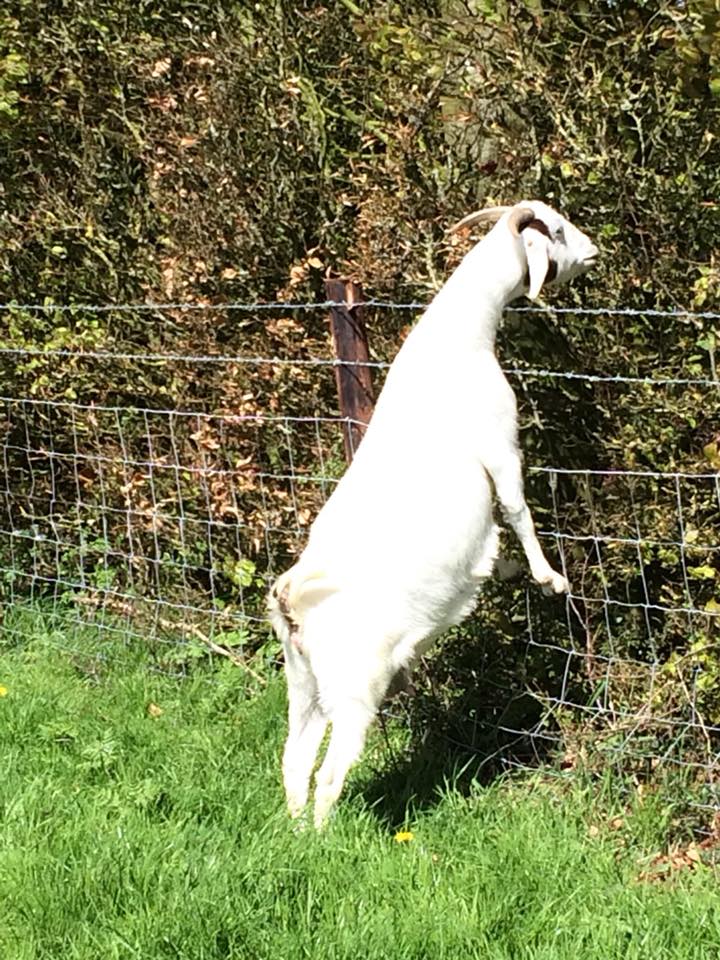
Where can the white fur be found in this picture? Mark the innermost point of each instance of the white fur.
(397, 553)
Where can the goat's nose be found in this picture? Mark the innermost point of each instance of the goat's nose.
(592, 254)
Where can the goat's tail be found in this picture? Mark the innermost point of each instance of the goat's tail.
(292, 594)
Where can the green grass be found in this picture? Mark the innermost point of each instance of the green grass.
(124, 834)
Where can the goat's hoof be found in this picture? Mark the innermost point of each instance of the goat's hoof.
(321, 818)
(554, 583)
(299, 813)
(296, 807)
(323, 812)
(300, 823)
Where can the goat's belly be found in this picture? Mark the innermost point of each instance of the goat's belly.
(440, 509)
(415, 543)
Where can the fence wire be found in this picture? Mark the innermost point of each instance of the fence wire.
(163, 525)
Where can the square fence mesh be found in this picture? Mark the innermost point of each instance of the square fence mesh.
(163, 523)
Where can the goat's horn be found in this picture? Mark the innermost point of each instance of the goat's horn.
(518, 217)
(488, 214)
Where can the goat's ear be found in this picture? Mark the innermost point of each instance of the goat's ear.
(537, 251)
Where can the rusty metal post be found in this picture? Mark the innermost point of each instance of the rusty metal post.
(350, 343)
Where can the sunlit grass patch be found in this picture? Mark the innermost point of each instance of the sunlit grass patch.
(141, 815)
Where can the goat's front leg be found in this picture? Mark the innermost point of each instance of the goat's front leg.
(509, 488)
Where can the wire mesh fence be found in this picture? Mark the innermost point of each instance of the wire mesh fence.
(165, 521)
(162, 524)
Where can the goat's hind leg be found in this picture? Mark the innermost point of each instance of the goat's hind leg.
(509, 488)
(353, 677)
(306, 726)
(350, 721)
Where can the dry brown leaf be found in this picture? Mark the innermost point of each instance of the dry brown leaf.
(161, 67)
(165, 103)
(298, 273)
(693, 854)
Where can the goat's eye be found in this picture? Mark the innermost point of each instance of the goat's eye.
(560, 233)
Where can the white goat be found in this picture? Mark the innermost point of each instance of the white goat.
(397, 553)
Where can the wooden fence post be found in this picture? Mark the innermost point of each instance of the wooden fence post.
(350, 343)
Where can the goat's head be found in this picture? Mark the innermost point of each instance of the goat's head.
(555, 250)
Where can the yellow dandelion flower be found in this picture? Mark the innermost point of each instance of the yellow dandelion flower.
(3, 691)
(404, 836)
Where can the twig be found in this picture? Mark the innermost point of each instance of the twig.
(126, 609)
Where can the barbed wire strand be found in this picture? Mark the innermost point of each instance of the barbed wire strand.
(176, 357)
(240, 360)
(327, 304)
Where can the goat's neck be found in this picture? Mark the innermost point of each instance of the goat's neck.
(470, 305)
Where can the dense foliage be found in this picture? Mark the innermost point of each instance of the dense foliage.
(220, 152)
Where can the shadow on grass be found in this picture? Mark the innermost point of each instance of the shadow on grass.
(476, 713)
